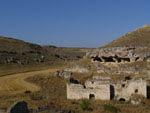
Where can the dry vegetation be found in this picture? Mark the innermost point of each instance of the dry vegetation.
(55, 92)
(52, 89)
(139, 37)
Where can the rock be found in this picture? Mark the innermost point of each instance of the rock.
(101, 78)
(64, 74)
(148, 60)
(18, 107)
(136, 99)
(117, 55)
(78, 68)
(117, 69)
(61, 57)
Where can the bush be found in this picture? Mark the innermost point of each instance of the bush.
(110, 108)
(85, 105)
(73, 102)
(27, 92)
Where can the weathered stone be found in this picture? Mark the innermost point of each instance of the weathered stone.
(137, 99)
(18, 107)
(64, 74)
(78, 68)
(105, 89)
(117, 69)
(117, 55)
(91, 89)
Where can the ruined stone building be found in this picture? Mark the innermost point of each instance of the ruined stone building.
(109, 61)
(105, 89)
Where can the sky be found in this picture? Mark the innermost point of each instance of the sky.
(72, 23)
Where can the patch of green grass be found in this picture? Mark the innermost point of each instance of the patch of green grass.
(110, 108)
(27, 92)
(85, 105)
(74, 102)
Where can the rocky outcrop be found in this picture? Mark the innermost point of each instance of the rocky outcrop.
(117, 69)
(63, 74)
(78, 68)
(137, 99)
(117, 54)
(116, 60)
(18, 107)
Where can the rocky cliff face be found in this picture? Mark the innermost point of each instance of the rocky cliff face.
(118, 60)
(117, 54)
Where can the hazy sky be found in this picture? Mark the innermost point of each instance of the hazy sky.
(75, 23)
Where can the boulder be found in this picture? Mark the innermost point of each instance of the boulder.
(18, 107)
(64, 74)
(136, 99)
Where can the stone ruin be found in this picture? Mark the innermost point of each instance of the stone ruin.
(117, 55)
(104, 88)
(113, 60)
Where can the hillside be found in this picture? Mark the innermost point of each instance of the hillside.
(139, 37)
(20, 52)
(20, 56)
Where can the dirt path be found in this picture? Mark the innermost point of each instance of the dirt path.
(15, 83)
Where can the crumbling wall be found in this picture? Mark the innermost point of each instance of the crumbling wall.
(78, 91)
(126, 89)
(107, 90)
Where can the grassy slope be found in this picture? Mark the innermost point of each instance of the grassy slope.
(139, 37)
(27, 52)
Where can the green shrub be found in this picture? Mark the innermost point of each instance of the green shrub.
(73, 102)
(110, 108)
(27, 92)
(85, 105)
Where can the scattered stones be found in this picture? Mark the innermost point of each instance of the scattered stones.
(64, 74)
(78, 68)
(61, 57)
(137, 99)
(21, 107)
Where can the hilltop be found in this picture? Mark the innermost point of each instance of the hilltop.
(139, 37)
(126, 56)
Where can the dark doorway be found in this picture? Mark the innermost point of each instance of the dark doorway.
(91, 96)
(108, 59)
(112, 92)
(97, 59)
(122, 100)
(148, 92)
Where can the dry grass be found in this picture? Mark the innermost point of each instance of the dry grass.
(9, 69)
(12, 87)
(139, 37)
(53, 90)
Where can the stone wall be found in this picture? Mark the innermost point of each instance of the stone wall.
(93, 90)
(127, 89)
(105, 89)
